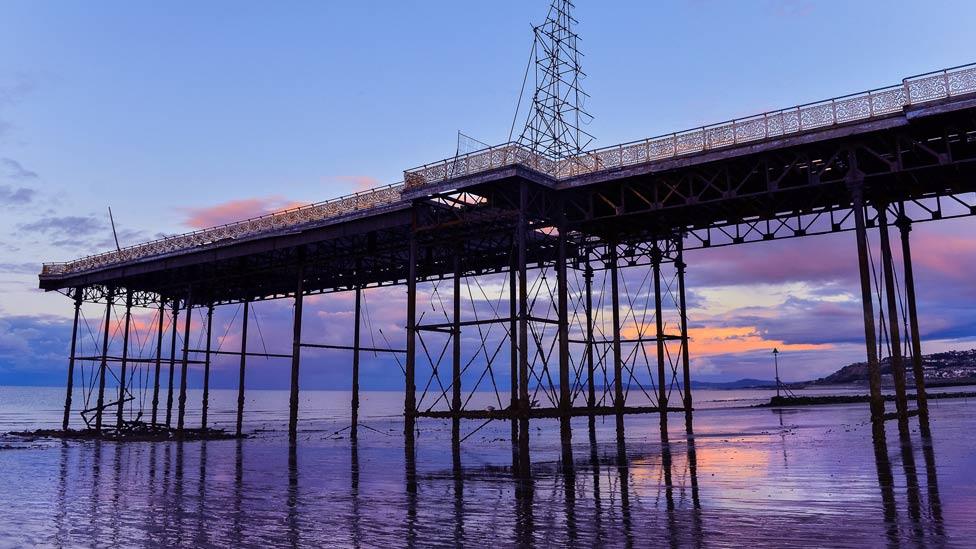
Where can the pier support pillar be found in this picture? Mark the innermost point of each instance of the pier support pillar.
(618, 365)
(357, 312)
(905, 227)
(680, 265)
(125, 358)
(410, 369)
(662, 393)
(456, 352)
(513, 348)
(590, 382)
(894, 333)
(103, 365)
(159, 359)
(206, 366)
(855, 182)
(240, 375)
(296, 354)
(71, 360)
(172, 363)
(181, 414)
(562, 307)
(523, 335)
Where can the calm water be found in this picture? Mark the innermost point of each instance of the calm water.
(794, 477)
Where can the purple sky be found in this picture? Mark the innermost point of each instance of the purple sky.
(187, 116)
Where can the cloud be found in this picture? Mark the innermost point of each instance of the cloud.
(86, 233)
(359, 182)
(16, 196)
(235, 210)
(15, 170)
(64, 225)
(19, 268)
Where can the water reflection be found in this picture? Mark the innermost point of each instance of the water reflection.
(613, 481)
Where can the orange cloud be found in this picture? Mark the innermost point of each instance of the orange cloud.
(708, 341)
(235, 210)
(359, 182)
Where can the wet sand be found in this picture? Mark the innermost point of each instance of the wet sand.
(805, 476)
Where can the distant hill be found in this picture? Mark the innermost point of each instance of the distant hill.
(738, 384)
(948, 366)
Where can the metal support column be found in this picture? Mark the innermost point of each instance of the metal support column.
(125, 358)
(905, 226)
(590, 382)
(240, 376)
(523, 337)
(159, 359)
(894, 333)
(679, 264)
(870, 336)
(410, 369)
(513, 347)
(562, 306)
(296, 354)
(618, 367)
(662, 393)
(103, 365)
(186, 360)
(71, 360)
(355, 357)
(206, 366)
(172, 363)
(456, 352)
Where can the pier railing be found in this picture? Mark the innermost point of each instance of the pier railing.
(876, 103)
(923, 88)
(336, 207)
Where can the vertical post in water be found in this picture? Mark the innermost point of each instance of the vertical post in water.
(103, 365)
(523, 338)
(172, 363)
(79, 292)
(562, 307)
(296, 352)
(897, 366)
(905, 226)
(125, 358)
(855, 183)
(513, 347)
(662, 393)
(618, 368)
(159, 358)
(456, 351)
(184, 364)
(410, 390)
(206, 367)
(355, 357)
(590, 383)
(240, 376)
(685, 353)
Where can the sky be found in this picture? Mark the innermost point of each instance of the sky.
(183, 115)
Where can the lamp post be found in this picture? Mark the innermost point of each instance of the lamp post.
(776, 366)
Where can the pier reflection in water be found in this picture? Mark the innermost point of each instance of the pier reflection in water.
(745, 476)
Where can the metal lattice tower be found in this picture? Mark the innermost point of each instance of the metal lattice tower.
(554, 123)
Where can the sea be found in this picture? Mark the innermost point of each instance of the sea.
(810, 476)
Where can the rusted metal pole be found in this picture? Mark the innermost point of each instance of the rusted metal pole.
(513, 348)
(410, 389)
(905, 226)
(894, 333)
(685, 353)
(159, 359)
(103, 365)
(662, 393)
(125, 358)
(186, 360)
(590, 382)
(71, 360)
(240, 376)
(355, 358)
(870, 336)
(172, 363)
(618, 368)
(296, 354)
(206, 367)
(456, 338)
